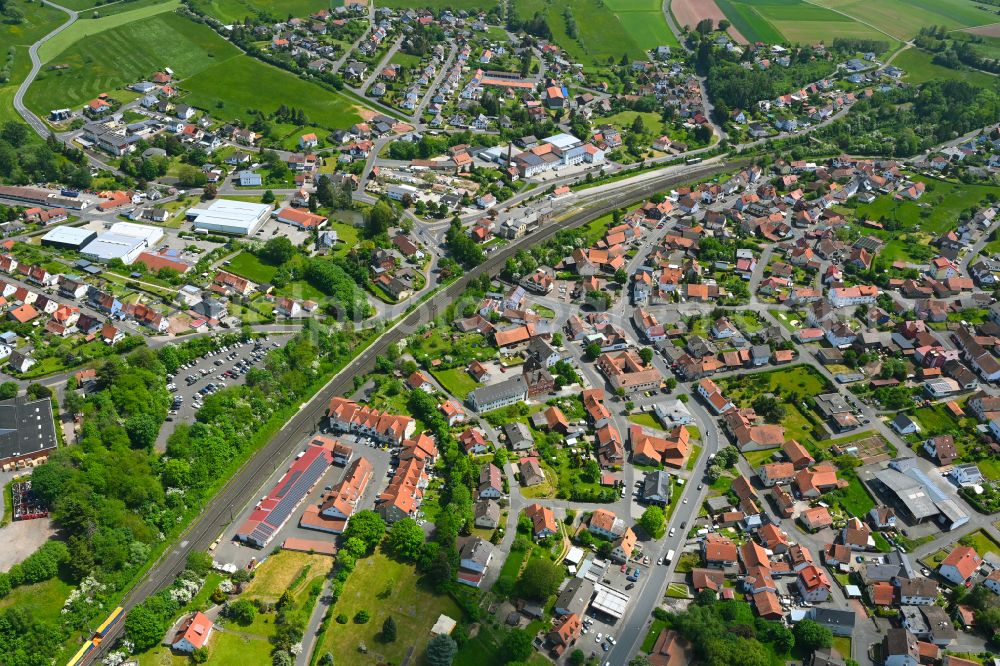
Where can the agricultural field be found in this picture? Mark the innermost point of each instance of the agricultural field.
(435, 5)
(121, 55)
(903, 18)
(234, 89)
(88, 29)
(236, 10)
(622, 27)
(920, 68)
(385, 587)
(794, 21)
(39, 20)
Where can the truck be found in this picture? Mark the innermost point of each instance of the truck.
(670, 557)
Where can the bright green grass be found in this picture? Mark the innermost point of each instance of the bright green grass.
(945, 201)
(22, 65)
(644, 21)
(750, 22)
(624, 120)
(919, 68)
(438, 4)
(904, 18)
(236, 10)
(842, 644)
(647, 420)
(39, 20)
(601, 32)
(87, 13)
(385, 587)
(982, 542)
(405, 59)
(802, 22)
(122, 55)
(247, 265)
(87, 29)
(235, 88)
(456, 381)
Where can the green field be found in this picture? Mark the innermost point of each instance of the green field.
(794, 21)
(247, 265)
(944, 201)
(87, 29)
(455, 5)
(919, 68)
(456, 381)
(620, 27)
(90, 11)
(904, 18)
(237, 87)
(125, 54)
(236, 10)
(39, 20)
(385, 587)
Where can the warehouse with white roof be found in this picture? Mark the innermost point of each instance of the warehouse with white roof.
(224, 216)
(124, 241)
(68, 238)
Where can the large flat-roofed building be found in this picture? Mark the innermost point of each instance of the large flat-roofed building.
(919, 495)
(68, 238)
(124, 241)
(237, 218)
(26, 430)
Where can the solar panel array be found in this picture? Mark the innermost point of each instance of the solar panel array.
(291, 494)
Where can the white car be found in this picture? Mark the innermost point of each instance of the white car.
(599, 638)
(673, 530)
(685, 500)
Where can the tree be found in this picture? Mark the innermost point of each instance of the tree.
(646, 354)
(267, 197)
(405, 538)
(389, 630)
(281, 658)
(811, 635)
(577, 658)
(199, 562)
(200, 655)
(37, 391)
(516, 645)
(652, 521)
(362, 617)
(441, 650)
(243, 612)
(8, 390)
(593, 350)
(277, 250)
(367, 526)
(540, 579)
(143, 628)
(142, 430)
(326, 659)
(379, 218)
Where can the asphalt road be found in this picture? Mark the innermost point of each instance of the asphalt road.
(243, 487)
(36, 65)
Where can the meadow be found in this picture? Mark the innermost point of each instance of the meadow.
(385, 587)
(904, 18)
(88, 29)
(935, 212)
(234, 89)
(620, 27)
(39, 20)
(121, 55)
(794, 21)
(919, 68)
(93, 9)
(229, 11)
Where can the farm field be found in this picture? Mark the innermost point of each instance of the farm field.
(39, 20)
(236, 10)
(91, 9)
(919, 68)
(88, 29)
(121, 55)
(625, 27)
(234, 89)
(903, 18)
(385, 587)
(794, 21)
(689, 12)
(435, 5)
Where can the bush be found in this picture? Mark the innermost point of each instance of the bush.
(361, 617)
(341, 619)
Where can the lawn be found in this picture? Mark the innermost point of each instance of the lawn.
(654, 631)
(904, 18)
(624, 119)
(241, 85)
(646, 419)
(287, 570)
(300, 290)
(678, 591)
(385, 587)
(39, 20)
(919, 68)
(693, 458)
(842, 644)
(981, 541)
(937, 419)
(119, 56)
(249, 266)
(456, 381)
(223, 648)
(800, 379)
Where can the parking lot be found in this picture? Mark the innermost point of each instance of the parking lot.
(234, 552)
(600, 630)
(211, 369)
